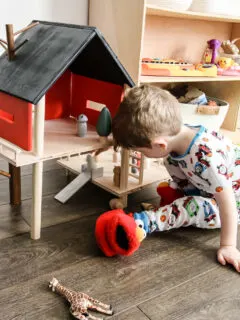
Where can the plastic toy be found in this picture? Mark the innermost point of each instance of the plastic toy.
(214, 45)
(154, 67)
(230, 47)
(228, 67)
(80, 302)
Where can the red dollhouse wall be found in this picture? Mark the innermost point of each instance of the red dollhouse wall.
(85, 89)
(58, 98)
(16, 121)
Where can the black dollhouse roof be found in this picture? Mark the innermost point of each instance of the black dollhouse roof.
(51, 49)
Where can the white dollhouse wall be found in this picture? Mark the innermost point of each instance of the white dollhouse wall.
(21, 12)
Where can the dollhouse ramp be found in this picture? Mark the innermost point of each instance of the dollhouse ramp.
(65, 194)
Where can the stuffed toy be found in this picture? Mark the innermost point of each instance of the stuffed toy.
(118, 233)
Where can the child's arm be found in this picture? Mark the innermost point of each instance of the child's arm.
(228, 253)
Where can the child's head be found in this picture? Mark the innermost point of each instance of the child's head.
(146, 118)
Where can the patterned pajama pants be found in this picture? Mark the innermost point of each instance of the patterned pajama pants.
(187, 211)
(193, 210)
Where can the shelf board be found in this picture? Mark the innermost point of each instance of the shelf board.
(154, 79)
(158, 11)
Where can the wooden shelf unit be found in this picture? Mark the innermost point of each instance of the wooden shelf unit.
(158, 11)
(154, 79)
(135, 29)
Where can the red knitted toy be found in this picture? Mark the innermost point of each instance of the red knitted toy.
(168, 192)
(118, 233)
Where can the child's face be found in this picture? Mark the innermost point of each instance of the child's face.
(157, 151)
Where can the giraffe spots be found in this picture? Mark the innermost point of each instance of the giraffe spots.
(219, 189)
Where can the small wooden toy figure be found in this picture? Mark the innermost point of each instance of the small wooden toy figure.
(104, 124)
(80, 302)
(82, 125)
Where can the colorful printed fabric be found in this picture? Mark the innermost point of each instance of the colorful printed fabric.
(211, 164)
(188, 211)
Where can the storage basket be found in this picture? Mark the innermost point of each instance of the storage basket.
(177, 5)
(191, 116)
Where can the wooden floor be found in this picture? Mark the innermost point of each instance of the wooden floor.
(173, 276)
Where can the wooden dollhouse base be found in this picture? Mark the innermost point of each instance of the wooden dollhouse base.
(60, 139)
(155, 173)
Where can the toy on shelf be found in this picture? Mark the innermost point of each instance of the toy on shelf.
(228, 67)
(231, 50)
(173, 68)
(214, 45)
(230, 47)
(80, 302)
(104, 124)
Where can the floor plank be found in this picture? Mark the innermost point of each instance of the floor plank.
(11, 222)
(133, 314)
(27, 170)
(87, 201)
(53, 181)
(213, 295)
(68, 251)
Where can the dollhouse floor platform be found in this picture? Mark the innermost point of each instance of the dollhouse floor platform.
(106, 182)
(174, 275)
(60, 140)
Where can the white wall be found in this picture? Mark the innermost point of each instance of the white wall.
(21, 12)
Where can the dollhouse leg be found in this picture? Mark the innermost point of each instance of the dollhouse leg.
(36, 201)
(37, 174)
(15, 185)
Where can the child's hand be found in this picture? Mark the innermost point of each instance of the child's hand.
(229, 254)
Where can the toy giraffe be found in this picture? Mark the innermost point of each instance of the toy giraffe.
(80, 302)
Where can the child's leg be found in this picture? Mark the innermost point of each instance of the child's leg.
(196, 211)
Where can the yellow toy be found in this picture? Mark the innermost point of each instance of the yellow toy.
(226, 63)
(171, 68)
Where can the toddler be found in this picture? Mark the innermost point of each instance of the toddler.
(203, 164)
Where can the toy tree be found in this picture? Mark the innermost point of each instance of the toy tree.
(104, 124)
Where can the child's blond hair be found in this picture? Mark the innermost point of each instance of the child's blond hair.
(145, 113)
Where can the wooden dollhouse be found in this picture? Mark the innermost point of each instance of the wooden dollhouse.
(53, 73)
